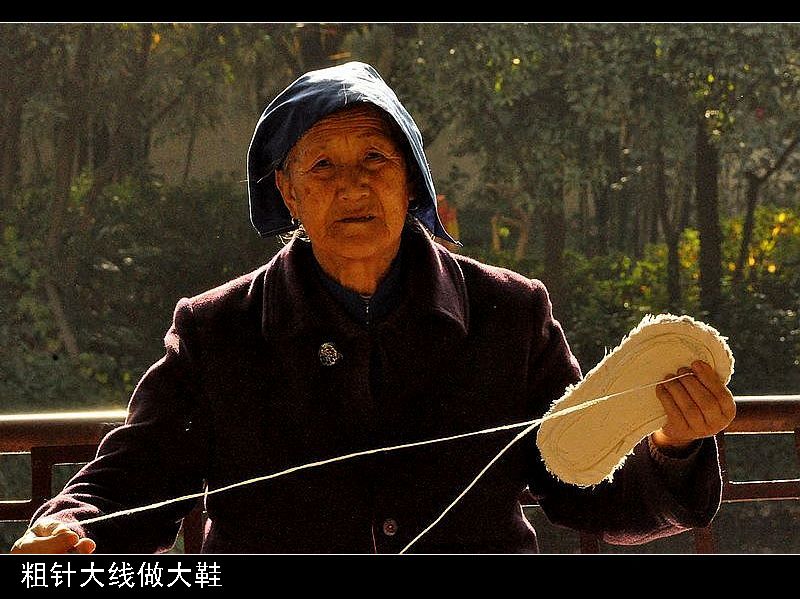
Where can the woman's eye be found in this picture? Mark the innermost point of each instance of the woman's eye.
(321, 165)
(375, 156)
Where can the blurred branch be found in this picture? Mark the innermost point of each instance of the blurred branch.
(57, 310)
(754, 183)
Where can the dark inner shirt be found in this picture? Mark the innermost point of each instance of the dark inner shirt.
(367, 310)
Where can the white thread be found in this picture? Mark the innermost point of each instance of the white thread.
(530, 425)
(356, 454)
(533, 425)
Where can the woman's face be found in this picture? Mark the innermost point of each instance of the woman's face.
(346, 181)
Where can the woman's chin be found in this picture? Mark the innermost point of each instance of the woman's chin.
(361, 243)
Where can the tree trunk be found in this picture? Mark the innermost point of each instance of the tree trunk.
(673, 275)
(584, 195)
(606, 198)
(137, 125)
(312, 47)
(57, 310)
(671, 233)
(553, 223)
(601, 216)
(751, 199)
(187, 165)
(66, 136)
(652, 223)
(754, 183)
(9, 150)
(84, 155)
(686, 207)
(38, 165)
(496, 247)
(706, 176)
(637, 232)
(524, 234)
(127, 149)
(624, 211)
(101, 144)
(65, 146)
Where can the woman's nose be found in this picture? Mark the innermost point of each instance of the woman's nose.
(352, 180)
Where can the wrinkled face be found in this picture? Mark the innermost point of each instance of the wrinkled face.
(346, 181)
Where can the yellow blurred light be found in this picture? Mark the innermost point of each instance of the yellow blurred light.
(751, 261)
(772, 268)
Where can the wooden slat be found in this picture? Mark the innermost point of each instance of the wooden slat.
(704, 541)
(766, 414)
(21, 432)
(16, 510)
(761, 490)
(42, 461)
(797, 442)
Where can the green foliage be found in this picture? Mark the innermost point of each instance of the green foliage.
(545, 105)
(764, 315)
(608, 295)
(144, 247)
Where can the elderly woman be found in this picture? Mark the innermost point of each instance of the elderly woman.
(364, 332)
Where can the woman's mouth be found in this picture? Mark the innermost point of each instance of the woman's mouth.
(357, 219)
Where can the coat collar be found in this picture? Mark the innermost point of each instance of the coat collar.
(296, 302)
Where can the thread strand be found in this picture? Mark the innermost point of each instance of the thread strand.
(530, 425)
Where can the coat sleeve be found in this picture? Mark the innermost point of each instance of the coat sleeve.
(645, 500)
(159, 453)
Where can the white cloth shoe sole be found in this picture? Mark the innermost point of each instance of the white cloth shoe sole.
(588, 445)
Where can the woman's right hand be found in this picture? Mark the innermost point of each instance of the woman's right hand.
(52, 536)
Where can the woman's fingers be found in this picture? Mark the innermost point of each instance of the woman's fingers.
(703, 398)
(697, 404)
(50, 528)
(711, 381)
(51, 536)
(85, 546)
(675, 417)
(689, 408)
(58, 543)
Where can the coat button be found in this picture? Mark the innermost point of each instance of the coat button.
(389, 527)
(328, 354)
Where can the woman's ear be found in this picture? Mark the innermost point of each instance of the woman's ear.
(283, 183)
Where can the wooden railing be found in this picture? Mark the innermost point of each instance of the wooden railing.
(755, 414)
(66, 438)
(69, 438)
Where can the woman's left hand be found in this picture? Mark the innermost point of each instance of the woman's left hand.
(697, 406)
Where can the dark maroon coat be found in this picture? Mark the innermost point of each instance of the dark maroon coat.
(242, 392)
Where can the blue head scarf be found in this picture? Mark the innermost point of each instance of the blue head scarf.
(296, 109)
